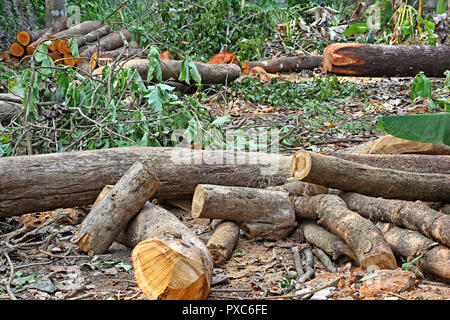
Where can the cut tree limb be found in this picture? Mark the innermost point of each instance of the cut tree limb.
(419, 163)
(111, 214)
(360, 234)
(78, 30)
(288, 64)
(71, 179)
(93, 36)
(412, 215)
(379, 60)
(300, 188)
(110, 42)
(17, 50)
(8, 111)
(260, 213)
(409, 244)
(170, 262)
(25, 37)
(345, 175)
(58, 25)
(223, 241)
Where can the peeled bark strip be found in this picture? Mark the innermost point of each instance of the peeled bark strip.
(419, 163)
(360, 234)
(300, 188)
(110, 42)
(408, 244)
(287, 64)
(348, 176)
(171, 69)
(9, 110)
(325, 240)
(379, 60)
(223, 241)
(412, 215)
(72, 179)
(111, 214)
(261, 213)
(170, 262)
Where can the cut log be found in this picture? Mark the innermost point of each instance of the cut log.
(379, 60)
(171, 69)
(53, 45)
(409, 244)
(348, 176)
(93, 36)
(25, 37)
(8, 111)
(73, 179)
(59, 25)
(110, 42)
(17, 50)
(392, 145)
(288, 64)
(101, 59)
(112, 213)
(260, 213)
(56, 57)
(78, 30)
(300, 188)
(63, 47)
(5, 56)
(412, 215)
(170, 262)
(223, 241)
(419, 163)
(325, 240)
(361, 235)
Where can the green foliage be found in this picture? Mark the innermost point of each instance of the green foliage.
(441, 6)
(422, 87)
(407, 265)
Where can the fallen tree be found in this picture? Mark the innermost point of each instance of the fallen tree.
(379, 60)
(260, 213)
(349, 176)
(287, 64)
(359, 234)
(170, 262)
(412, 215)
(71, 179)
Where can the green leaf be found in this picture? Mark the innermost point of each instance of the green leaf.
(431, 128)
(189, 71)
(409, 264)
(220, 121)
(441, 6)
(421, 86)
(73, 44)
(238, 253)
(41, 53)
(125, 266)
(154, 61)
(356, 28)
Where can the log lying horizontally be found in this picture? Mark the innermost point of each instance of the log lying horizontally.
(112, 213)
(408, 244)
(223, 241)
(300, 188)
(112, 41)
(171, 69)
(72, 179)
(288, 64)
(360, 234)
(348, 176)
(170, 262)
(419, 163)
(261, 213)
(378, 60)
(412, 215)
(9, 110)
(59, 25)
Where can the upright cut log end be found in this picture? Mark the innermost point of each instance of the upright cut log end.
(198, 201)
(300, 164)
(164, 274)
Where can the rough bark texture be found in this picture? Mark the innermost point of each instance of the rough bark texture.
(419, 163)
(378, 60)
(111, 214)
(325, 240)
(171, 69)
(170, 262)
(412, 215)
(345, 175)
(110, 42)
(59, 25)
(287, 64)
(93, 36)
(409, 244)
(360, 234)
(261, 213)
(53, 10)
(9, 110)
(71, 179)
(223, 241)
(300, 188)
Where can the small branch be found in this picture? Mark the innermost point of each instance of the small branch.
(326, 261)
(298, 262)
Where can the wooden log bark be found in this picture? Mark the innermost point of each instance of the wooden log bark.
(260, 213)
(112, 213)
(412, 215)
(419, 163)
(345, 175)
(93, 36)
(325, 240)
(25, 37)
(360, 234)
(78, 30)
(171, 69)
(300, 188)
(288, 64)
(378, 60)
(110, 42)
(389, 144)
(409, 244)
(8, 111)
(223, 241)
(72, 179)
(170, 262)
(59, 25)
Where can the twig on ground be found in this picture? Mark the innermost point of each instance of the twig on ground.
(326, 261)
